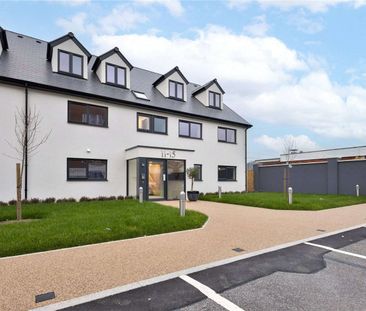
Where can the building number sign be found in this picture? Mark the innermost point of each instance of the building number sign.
(170, 154)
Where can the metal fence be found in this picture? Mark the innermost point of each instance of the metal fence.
(332, 176)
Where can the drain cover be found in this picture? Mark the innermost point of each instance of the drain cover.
(238, 250)
(45, 296)
(321, 230)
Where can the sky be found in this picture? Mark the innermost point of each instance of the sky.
(294, 69)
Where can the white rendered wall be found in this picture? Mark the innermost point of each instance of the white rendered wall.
(47, 168)
(69, 46)
(203, 97)
(163, 87)
(116, 60)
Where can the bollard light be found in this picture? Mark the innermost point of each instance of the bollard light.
(289, 195)
(219, 191)
(358, 190)
(141, 194)
(182, 204)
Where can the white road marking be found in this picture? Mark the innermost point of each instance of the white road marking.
(336, 250)
(210, 293)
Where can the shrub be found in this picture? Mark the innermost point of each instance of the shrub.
(85, 199)
(120, 197)
(49, 200)
(64, 200)
(34, 201)
(3, 203)
(24, 201)
(101, 198)
(129, 197)
(112, 198)
(12, 202)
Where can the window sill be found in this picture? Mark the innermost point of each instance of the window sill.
(227, 142)
(233, 180)
(64, 73)
(99, 180)
(190, 137)
(177, 98)
(117, 85)
(86, 124)
(149, 132)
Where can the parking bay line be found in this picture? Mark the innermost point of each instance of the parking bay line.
(211, 294)
(336, 250)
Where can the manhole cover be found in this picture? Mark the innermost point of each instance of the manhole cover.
(45, 296)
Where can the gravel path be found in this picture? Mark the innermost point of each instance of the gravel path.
(79, 271)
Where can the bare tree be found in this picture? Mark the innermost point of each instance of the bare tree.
(26, 129)
(289, 151)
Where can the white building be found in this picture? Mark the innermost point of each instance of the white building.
(114, 127)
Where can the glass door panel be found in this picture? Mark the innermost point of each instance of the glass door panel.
(176, 178)
(156, 180)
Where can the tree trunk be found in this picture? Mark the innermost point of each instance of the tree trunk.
(19, 192)
(192, 184)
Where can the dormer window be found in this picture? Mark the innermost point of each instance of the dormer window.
(115, 75)
(176, 90)
(70, 63)
(214, 99)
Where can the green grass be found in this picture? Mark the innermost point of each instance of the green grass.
(308, 202)
(70, 224)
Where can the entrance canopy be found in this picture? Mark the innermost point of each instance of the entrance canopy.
(142, 151)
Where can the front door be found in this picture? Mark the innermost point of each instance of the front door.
(156, 180)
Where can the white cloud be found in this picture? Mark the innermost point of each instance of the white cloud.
(311, 5)
(71, 2)
(258, 28)
(76, 23)
(276, 144)
(306, 24)
(264, 79)
(173, 6)
(121, 18)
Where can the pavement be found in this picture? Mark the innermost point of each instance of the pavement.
(321, 274)
(80, 271)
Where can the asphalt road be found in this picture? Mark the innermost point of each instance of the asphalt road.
(322, 274)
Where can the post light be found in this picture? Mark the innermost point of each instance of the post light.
(219, 191)
(358, 190)
(290, 195)
(141, 194)
(182, 204)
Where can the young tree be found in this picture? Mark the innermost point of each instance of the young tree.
(289, 150)
(26, 129)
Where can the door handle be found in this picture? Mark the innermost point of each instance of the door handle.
(164, 177)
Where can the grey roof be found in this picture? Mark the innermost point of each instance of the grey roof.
(26, 61)
(206, 86)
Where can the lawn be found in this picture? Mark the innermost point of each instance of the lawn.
(311, 202)
(62, 225)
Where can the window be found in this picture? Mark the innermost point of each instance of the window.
(190, 129)
(70, 63)
(140, 95)
(86, 169)
(226, 135)
(87, 114)
(214, 100)
(115, 75)
(199, 170)
(176, 90)
(226, 173)
(151, 124)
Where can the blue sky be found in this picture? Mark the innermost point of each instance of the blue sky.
(292, 68)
